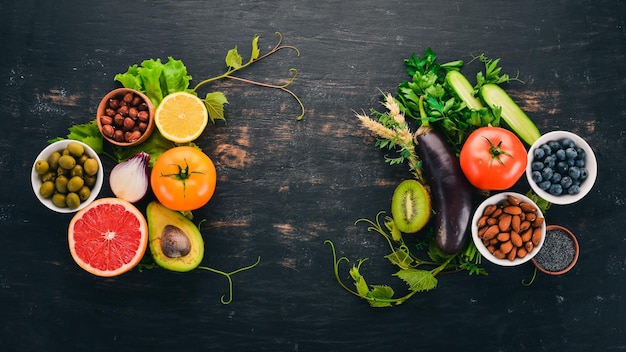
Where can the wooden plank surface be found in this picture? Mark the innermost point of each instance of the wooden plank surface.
(285, 186)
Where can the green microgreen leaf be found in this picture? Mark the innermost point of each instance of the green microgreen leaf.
(214, 103)
(418, 280)
(233, 59)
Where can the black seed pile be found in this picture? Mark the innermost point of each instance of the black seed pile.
(557, 252)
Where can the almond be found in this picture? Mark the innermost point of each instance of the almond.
(536, 236)
(516, 221)
(516, 239)
(490, 209)
(482, 221)
(513, 210)
(491, 232)
(512, 254)
(513, 200)
(528, 207)
(503, 236)
(504, 222)
(527, 235)
(521, 252)
(506, 247)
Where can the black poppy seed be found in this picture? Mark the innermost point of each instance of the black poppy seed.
(557, 252)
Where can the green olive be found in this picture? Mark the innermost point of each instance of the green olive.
(75, 183)
(81, 159)
(90, 166)
(67, 162)
(76, 149)
(48, 176)
(58, 199)
(84, 192)
(53, 160)
(90, 181)
(62, 172)
(77, 171)
(65, 152)
(61, 184)
(47, 189)
(41, 167)
(72, 200)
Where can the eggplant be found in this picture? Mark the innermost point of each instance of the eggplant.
(451, 192)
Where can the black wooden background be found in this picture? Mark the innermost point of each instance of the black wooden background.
(285, 186)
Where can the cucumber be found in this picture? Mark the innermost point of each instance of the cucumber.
(512, 114)
(462, 87)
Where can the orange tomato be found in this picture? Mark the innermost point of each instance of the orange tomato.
(183, 178)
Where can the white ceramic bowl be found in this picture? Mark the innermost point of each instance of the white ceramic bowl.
(497, 199)
(590, 164)
(36, 179)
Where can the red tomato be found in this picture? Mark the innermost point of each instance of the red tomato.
(183, 178)
(493, 158)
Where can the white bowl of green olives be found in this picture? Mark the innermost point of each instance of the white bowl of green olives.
(562, 167)
(67, 175)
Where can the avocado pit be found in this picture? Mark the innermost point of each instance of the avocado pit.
(174, 242)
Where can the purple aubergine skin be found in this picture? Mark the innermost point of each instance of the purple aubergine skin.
(451, 193)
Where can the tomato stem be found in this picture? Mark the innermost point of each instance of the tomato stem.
(182, 175)
(496, 151)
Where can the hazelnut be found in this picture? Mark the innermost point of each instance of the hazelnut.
(118, 135)
(128, 124)
(143, 116)
(118, 120)
(128, 97)
(136, 101)
(123, 110)
(108, 131)
(114, 104)
(132, 113)
(109, 112)
(106, 120)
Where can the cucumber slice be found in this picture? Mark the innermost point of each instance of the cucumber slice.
(463, 88)
(512, 114)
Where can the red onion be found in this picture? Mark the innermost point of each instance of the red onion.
(129, 179)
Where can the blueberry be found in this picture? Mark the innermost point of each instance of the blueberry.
(546, 148)
(566, 182)
(556, 177)
(571, 153)
(574, 189)
(580, 153)
(546, 173)
(549, 161)
(570, 162)
(568, 143)
(574, 172)
(579, 162)
(555, 189)
(554, 145)
(562, 167)
(545, 185)
(537, 166)
(536, 176)
(560, 154)
(539, 153)
(583, 173)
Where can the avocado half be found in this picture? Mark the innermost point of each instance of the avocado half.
(175, 242)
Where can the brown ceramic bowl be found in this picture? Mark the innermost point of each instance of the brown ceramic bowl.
(552, 250)
(141, 103)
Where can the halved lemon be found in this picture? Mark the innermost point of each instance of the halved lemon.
(181, 117)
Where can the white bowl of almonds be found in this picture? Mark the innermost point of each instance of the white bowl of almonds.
(508, 229)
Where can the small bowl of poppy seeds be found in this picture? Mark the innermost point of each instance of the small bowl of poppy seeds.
(559, 253)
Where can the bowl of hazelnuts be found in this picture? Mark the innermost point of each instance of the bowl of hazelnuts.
(125, 117)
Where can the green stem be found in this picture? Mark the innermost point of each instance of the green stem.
(423, 117)
(229, 278)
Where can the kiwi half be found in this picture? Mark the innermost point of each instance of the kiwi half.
(410, 206)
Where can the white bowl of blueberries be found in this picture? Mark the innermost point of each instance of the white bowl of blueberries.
(562, 167)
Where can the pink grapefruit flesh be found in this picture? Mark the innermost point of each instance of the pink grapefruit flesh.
(108, 237)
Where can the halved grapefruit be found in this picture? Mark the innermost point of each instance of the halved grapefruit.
(108, 237)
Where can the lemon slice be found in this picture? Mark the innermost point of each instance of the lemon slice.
(181, 117)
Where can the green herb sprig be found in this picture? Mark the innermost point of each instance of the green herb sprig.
(418, 274)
